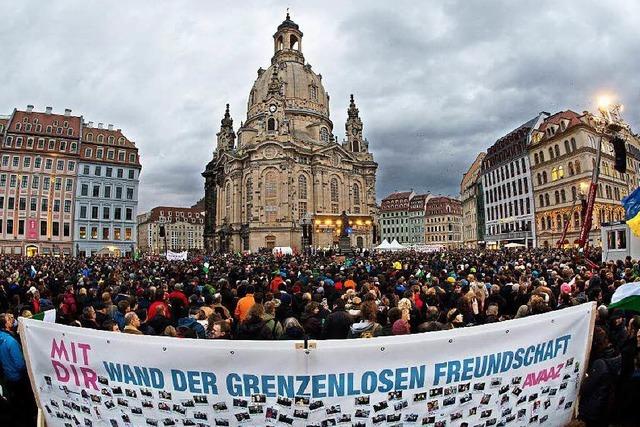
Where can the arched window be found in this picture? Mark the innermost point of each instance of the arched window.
(90, 137)
(558, 222)
(541, 201)
(249, 199)
(280, 43)
(313, 92)
(551, 152)
(546, 199)
(356, 198)
(334, 190)
(539, 179)
(536, 159)
(576, 220)
(577, 163)
(574, 146)
(571, 171)
(563, 195)
(271, 124)
(302, 187)
(554, 174)
(566, 146)
(100, 138)
(544, 177)
(574, 193)
(271, 196)
(557, 194)
(293, 43)
(324, 134)
(542, 157)
(557, 150)
(227, 201)
(560, 172)
(542, 224)
(549, 223)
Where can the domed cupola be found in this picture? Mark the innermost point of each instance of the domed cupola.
(287, 42)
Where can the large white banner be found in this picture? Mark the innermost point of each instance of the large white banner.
(176, 256)
(521, 372)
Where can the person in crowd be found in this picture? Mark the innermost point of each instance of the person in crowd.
(14, 372)
(368, 327)
(244, 304)
(338, 322)
(600, 382)
(132, 323)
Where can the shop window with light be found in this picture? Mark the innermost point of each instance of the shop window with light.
(127, 233)
(116, 234)
(94, 232)
(105, 233)
(83, 232)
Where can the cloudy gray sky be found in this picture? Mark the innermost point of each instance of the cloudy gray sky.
(436, 81)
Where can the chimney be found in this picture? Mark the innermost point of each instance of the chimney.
(29, 108)
(90, 124)
(99, 125)
(67, 112)
(48, 111)
(110, 126)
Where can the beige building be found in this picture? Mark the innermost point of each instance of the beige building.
(183, 228)
(285, 168)
(563, 155)
(469, 195)
(443, 222)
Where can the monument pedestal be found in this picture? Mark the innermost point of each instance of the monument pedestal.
(345, 245)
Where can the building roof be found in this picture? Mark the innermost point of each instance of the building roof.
(55, 121)
(90, 134)
(569, 117)
(442, 204)
(418, 202)
(398, 201)
(177, 214)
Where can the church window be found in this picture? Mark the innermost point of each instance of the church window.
(271, 124)
(302, 187)
(567, 148)
(334, 190)
(249, 199)
(550, 152)
(324, 135)
(560, 172)
(554, 174)
(271, 196)
(313, 92)
(356, 198)
(227, 199)
(574, 145)
(557, 150)
(577, 163)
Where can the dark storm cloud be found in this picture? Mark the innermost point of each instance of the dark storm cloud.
(436, 82)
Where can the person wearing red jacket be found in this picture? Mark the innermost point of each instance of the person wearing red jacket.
(274, 286)
(178, 294)
(159, 300)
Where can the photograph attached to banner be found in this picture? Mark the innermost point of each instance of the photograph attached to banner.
(520, 372)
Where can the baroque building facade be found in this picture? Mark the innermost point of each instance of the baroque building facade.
(183, 229)
(470, 195)
(563, 156)
(283, 179)
(402, 217)
(106, 199)
(443, 222)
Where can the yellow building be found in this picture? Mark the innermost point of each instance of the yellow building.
(563, 156)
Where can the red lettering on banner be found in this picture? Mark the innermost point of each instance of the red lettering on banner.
(542, 376)
(73, 353)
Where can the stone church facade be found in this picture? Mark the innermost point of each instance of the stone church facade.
(283, 179)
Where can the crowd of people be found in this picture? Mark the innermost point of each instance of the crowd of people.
(293, 297)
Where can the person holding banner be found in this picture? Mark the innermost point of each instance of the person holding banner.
(22, 405)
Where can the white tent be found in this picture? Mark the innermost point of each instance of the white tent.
(384, 246)
(395, 246)
(514, 245)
